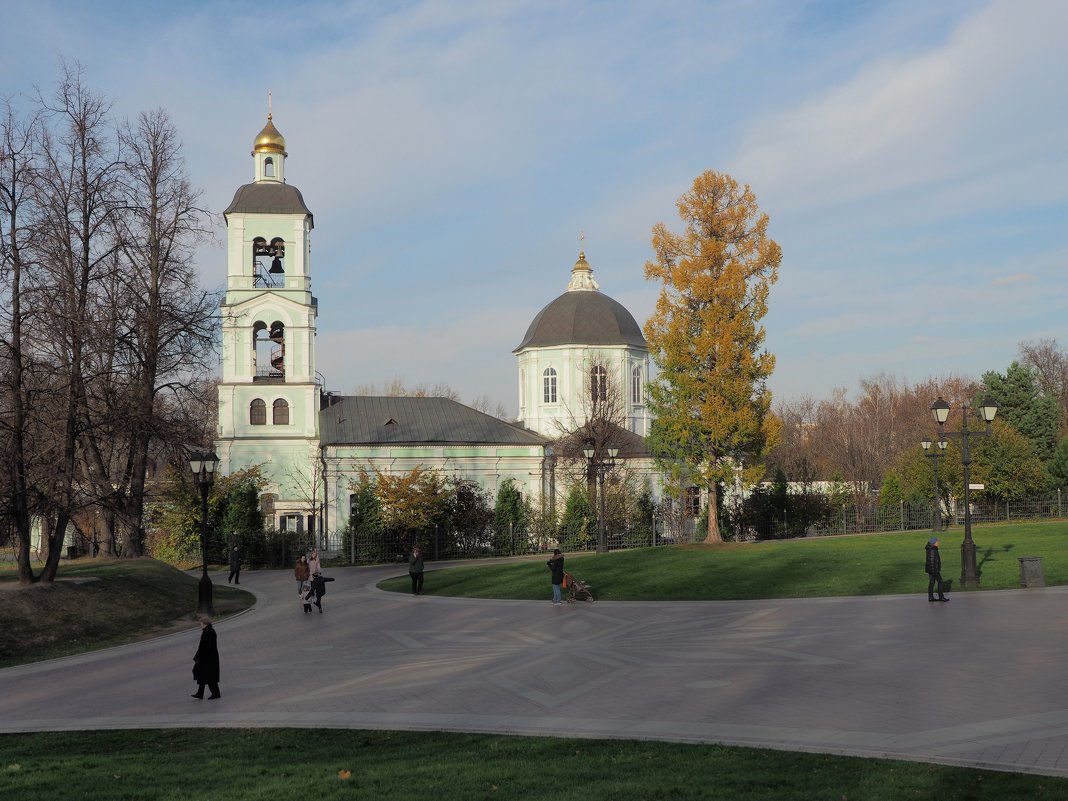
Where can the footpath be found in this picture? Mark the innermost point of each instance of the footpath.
(979, 681)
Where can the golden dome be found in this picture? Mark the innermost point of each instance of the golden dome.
(581, 264)
(269, 140)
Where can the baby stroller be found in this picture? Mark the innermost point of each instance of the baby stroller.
(577, 589)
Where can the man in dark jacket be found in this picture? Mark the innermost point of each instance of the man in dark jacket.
(415, 570)
(236, 558)
(934, 571)
(206, 662)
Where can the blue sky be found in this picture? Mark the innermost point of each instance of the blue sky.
(912, 156)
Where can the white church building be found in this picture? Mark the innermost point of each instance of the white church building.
(310, 444)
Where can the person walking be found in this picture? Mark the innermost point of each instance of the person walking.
(318, 588)
(415, 570)
(556, 565)
(306, 596)
(301, 572)
(206, 662)
(313, 562)
(933, 566)
(236, 558)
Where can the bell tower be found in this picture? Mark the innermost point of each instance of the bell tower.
(269, 395)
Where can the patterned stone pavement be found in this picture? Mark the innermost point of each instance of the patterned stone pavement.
(979, 681)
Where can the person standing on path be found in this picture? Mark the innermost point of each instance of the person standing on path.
(415, 570)
(556, 565)
(206, 662)
(933, 567)
(236, 558)
(301, 572)
(313, 562)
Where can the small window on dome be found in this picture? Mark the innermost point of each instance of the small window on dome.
(548, 385)
(636, 385)
(268, 167)
(599, 383)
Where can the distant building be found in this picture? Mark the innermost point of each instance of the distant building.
(311, 444)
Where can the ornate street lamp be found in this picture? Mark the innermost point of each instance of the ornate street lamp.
(203, 467)
(936, 454)
(969, 573)
(599, 466)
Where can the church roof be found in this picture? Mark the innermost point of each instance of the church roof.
(368, 420)
(268, 197)
(583, 318)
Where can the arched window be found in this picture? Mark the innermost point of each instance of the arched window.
(280, 413)
(268, 167)
(599, 383)
(548, 385)
(636, 385)
(268, 262)
(267, 507)
(257, 412)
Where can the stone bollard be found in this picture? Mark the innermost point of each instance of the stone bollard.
(1031, 571)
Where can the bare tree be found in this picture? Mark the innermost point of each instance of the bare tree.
(104, 331)
(76, 200)
(163, 322)
(17, 179)
(599, 423)
(1050, 363)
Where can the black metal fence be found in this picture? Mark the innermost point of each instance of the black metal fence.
(385, 547)
(278, 549)
(858, 519)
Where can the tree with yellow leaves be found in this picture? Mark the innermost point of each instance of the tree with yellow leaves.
(710, 396)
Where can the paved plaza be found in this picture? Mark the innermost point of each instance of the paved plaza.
(979, 681)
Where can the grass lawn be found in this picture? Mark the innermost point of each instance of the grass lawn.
(875, 564)
(101, 603)
(256, 764)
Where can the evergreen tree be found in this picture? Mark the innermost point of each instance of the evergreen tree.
(578, 523)
(509, 515)
(891, 496)
(1025, 407)
(1058, 465)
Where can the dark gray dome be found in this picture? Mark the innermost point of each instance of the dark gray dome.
(583, 318)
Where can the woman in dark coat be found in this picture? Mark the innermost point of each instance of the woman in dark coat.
(556, 565)
(206, 662)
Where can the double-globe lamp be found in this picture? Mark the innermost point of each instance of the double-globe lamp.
(203, 467)
(969, 572)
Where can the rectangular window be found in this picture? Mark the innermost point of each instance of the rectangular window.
(693, 501)
(549, 386)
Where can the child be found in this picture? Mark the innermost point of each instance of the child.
(306, 596)
(318, 590)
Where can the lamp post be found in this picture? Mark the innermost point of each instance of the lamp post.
(969, 573)
(203, 467)
(598, 464)
(936, 454)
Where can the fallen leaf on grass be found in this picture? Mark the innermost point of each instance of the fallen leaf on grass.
(344, 774)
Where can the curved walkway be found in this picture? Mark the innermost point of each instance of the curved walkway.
(980, 681)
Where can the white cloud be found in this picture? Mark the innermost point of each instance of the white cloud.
(982, 111)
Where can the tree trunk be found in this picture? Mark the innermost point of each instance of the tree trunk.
(713, 534)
